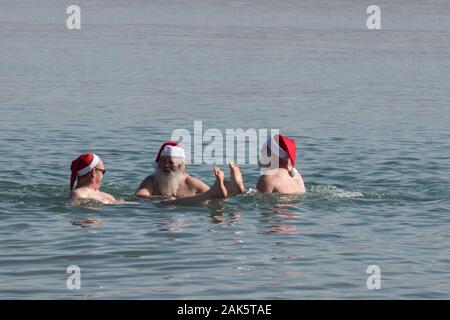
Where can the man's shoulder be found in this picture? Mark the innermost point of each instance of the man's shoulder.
(79, 193)
(145, 189)
(145, 186)
(190, 179)
(196, 183)
(265, 183)
(148, 180)
(107, 195)
(268, 178)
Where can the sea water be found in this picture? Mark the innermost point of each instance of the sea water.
(369, 110)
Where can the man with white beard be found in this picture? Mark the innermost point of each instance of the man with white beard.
(170, 179)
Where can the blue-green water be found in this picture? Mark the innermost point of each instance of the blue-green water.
(370, 111)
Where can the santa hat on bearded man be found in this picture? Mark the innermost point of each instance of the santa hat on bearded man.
(82, 165)
(170, 148)
(285, 148)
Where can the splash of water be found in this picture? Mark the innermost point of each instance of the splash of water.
(335, 192)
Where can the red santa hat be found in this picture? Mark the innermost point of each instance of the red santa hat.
(82, 165)
(285, 148)
(170, 148)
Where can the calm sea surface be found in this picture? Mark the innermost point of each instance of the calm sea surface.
(370, 111)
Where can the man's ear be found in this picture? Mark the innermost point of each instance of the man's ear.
(94, 173)
(290, 163)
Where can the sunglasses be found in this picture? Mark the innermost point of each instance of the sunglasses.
(103, 171)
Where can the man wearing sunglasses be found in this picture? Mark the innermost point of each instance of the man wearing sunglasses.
(88, 171)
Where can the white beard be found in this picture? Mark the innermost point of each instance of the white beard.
(168, 183)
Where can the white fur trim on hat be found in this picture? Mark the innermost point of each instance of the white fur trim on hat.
(89, 168)
(173, 151)
(275, 148)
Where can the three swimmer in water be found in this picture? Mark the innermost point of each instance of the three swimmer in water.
(171, 181)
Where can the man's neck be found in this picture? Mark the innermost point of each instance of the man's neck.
(88, 185)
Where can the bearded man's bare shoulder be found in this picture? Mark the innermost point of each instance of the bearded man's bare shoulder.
(196, 183)
(191, 180)
(148, 181)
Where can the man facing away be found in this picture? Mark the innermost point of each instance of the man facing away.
(282, 177)
(88, 171)
(170, 178)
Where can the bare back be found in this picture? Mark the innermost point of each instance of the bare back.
(281, 182)
(91, 194)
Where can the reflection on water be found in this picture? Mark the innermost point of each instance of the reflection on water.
(283, 229)
(87, 222)
(174, 225)
(291, 274)
(280, 220)
(282, 216)
(225, 217)
(85, 203)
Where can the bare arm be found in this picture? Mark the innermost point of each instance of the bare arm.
(109, 199)
(189, 200)
(145, 189)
